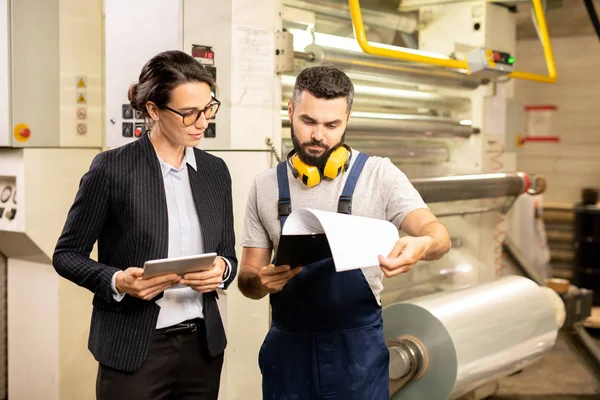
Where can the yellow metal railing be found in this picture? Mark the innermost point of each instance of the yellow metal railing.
(361, 38)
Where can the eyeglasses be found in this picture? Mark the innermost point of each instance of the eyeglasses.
(190, 117)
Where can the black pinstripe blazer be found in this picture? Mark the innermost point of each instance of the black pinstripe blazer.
(121, 203)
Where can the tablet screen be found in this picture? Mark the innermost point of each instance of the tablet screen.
(178, 265)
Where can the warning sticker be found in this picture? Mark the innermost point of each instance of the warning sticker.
(81, 98)
(81, 128)
(81, 113)
(81, 82)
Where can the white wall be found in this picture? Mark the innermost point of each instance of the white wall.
(573, 163)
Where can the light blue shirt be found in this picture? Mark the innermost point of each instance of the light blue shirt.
(185, 239)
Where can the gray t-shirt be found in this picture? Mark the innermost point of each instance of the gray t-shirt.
(382, 192)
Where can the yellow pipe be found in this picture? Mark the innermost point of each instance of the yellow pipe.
(361, 38)
(545, 39)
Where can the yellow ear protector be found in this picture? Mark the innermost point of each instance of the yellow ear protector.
(311, 176)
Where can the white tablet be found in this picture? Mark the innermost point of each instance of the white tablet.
(178, 265)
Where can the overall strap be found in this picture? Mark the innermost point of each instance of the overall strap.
(284, 206)
(345, 201)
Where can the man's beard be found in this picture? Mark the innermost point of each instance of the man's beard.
(309, 159)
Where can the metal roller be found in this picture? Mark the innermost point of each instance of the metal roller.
(399, 151)
(360, 62)
(384, 96)
(480, 186)
(445, 345)
(407, 125)
(404, 152)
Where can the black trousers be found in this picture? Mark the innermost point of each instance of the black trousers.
(178, 367)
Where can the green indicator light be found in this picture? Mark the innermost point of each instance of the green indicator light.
(511, 60)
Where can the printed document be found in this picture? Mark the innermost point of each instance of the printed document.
(352, 241)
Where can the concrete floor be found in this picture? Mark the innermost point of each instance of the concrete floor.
(558, 376)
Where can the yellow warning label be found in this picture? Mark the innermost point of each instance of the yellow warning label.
(81, 81)
(81, 99)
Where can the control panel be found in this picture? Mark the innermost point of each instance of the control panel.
(488, 63)
(206, 56)
(133, 122)
(8, 202)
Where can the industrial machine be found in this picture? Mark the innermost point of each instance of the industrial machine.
(443, 112)
(63, 99)
(50, 130)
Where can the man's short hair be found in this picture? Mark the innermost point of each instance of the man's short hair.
(324, 82)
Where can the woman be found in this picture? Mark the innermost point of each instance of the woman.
(155, 198)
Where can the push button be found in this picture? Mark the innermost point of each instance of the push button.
(11, 214)
(127, 111)
(127, 129)
(211, 130)
(139, 130)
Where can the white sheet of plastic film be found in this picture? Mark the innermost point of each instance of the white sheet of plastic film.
(476, 335)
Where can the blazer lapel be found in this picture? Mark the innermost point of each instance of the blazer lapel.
(199, 180)
(200, 183)
(155, 191)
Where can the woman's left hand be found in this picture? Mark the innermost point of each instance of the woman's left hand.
(206, 281)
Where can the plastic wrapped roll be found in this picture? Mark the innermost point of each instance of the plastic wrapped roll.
(473, 336)
(456, 270)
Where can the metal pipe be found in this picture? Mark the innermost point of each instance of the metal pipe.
(468, 187)
(401, 106)
(379, 128)
(401, 22)
(399, 151)
(480, 210)
(404, 151)
(359, 62)
(383, 95)
(300, 55)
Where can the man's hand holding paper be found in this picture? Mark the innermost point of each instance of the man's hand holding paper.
(407, 251)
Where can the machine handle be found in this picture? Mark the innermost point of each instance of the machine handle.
(361, 38)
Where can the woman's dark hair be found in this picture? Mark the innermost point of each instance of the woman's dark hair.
(163, 73)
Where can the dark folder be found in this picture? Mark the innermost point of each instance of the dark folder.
(299, 250)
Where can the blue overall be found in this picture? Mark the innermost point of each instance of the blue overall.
(326, 338)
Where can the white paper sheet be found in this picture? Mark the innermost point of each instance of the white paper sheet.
(355, 242)
(253, 66)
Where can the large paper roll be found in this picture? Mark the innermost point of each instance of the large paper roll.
(473, 336)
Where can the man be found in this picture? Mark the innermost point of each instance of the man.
(326, 339)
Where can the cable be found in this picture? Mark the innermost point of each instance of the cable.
(273, 149)
(589, 5)
(499, 232)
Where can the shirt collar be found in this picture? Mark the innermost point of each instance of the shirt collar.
(189, 159)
